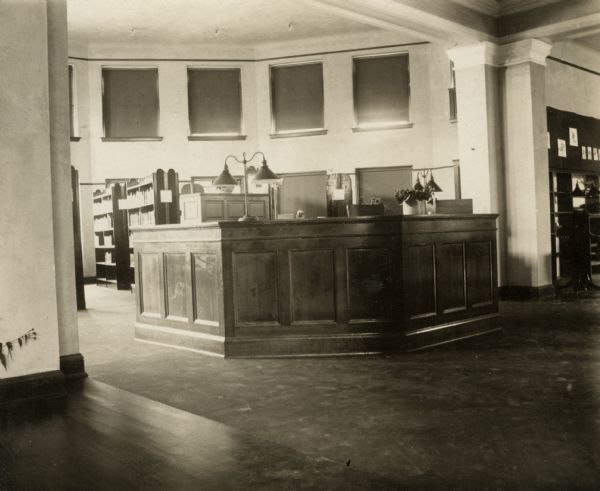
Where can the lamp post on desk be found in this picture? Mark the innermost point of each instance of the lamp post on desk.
(264, 175)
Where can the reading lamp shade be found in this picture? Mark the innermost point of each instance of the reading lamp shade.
(433, 185)
(266, 175)
(225, 182)
(225, 178)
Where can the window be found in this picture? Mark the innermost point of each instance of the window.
(381, 92)
(130, 103)
(452, 93)
(215, 103)
(73, 105)
(297, 99)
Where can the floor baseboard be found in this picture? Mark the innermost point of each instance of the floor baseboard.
(514, 292)
(73, 366)
(26, 391)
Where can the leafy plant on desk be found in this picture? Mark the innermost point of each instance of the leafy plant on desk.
(415, 194)
(412, 196)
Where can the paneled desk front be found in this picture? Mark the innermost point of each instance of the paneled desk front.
(323, 286)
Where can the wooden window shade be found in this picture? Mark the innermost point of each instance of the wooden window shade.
(381, 90)
(297, 97)
(130, 102)
(215, 101)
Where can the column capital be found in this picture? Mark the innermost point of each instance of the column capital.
(486, 53)
(525, 51)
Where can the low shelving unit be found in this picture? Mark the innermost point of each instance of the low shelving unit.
(111, 237)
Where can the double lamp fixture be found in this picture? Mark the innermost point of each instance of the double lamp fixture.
(226, 182)
(430, 185)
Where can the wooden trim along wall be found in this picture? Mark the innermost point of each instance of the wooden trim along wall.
(250, 60)
(573, 65)
(32, 391)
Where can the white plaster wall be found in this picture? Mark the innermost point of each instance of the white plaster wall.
(444, 134)
(571, 89)
(81, 159)
(27, 283)
(62, 200)
(341, 149)
(432, 141)
(188, 158)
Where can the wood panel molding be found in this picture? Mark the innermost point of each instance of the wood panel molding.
(255, 293)
(330, 286)
(205, 287)
(312, 286)
(370, 284)
(150, 284)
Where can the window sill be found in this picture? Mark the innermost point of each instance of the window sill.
(397, 126)
(294, 134)
(132, 139)
(216, 137)
(453, 121)
(75, 138)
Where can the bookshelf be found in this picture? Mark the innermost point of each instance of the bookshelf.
(151, 200)
(561, 218)
(593, 249)
(78, 249)
(111, 238)
(575, 229)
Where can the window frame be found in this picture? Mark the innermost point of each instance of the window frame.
(74, 134)
(381, 126)
(129, 138)
(215, 135)
(452, 100)
(302, 132)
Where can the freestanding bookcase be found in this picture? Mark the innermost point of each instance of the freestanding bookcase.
(151, 200)
(111, 237)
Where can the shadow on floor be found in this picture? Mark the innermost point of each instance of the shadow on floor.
(515, 410)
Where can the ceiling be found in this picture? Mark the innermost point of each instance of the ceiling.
(226, 22)
(255, 23)
(498, 8)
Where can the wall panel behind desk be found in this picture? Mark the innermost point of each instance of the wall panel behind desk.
(306, 191)
(382, 182)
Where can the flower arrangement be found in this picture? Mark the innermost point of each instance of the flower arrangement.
(416, 194)
(412, 196)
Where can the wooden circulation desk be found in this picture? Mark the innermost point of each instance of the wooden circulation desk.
(323, 286)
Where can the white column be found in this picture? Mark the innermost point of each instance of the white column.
(62, 199)
(480, 134)
(28, 296)
(526, 164)
(502, 148)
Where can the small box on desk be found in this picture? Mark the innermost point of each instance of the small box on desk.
(454, 206)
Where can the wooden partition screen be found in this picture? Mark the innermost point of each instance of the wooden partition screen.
(306, 191)
(382, 182)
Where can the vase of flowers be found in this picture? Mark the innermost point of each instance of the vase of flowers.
(414, 200)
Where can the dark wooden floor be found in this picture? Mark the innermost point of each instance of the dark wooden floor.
(519, 410)
(109, 439)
